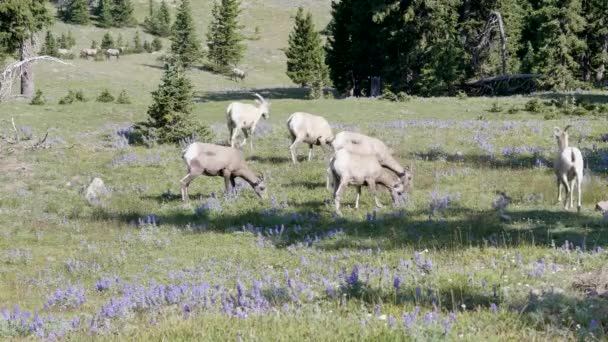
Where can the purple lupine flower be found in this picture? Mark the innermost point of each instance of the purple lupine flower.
(397, 283)
(391, 321)
(494, 308)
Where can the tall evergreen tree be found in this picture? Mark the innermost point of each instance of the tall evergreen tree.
(76, 11)
(19, 21)
(338, 47)
(137, 47)
(50, 47)
(70, 40)
(163, 20)
(185, 45)
(169, 114)
(119, 41)
(122, 13)
(305, 55)
(595, 59)
(107, 42)
(104, 13)
(223, 38)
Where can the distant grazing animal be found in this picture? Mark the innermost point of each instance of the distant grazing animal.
(363, 144)
(244, 117)
(568, 168)
(348, 168)
(309, 129)
(86, 53)
(112, 52)
(63, 52)
(237, 74)
(221, 161)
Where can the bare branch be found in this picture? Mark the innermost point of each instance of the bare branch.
(15, 69)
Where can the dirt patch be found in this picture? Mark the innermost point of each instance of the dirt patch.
(13, 173)
(593, 283)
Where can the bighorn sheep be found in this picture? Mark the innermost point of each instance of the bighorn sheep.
(86, 53)
(363, 144)
(568, 168)
(357, 169)
(112, 52)
(216, 160)
(244, 117)
(309, 129)
(237, 74)
(63, 52)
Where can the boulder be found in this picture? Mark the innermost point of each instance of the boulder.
(602, 206)
(95, 191)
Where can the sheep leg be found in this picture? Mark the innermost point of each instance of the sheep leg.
(227, 183)
(371, 184)
(578, 188)
(572, 192)
(292, 149)
(246, 134)
(234, 132)
(338, 197)
(252, 131)
(329, 178)
(358, 196)
(309, 152)
(559, 190)
(564, 182)
(185, 183)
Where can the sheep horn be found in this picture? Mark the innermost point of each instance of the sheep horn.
(567, 127)
(259, 97)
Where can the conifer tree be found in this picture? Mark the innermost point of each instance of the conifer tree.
(104, 13)
(76, 11)
(169, 114)
(137, 47)
(163, 20)
(62, 41)
(50, 45)
(339, 45)
(119, 41)
(70, 40)
(223, 38)
(157, 45)
(147, 47)
(305, 56)
(595, 59)
(107, 42)
(93, 44)
(185, 45)
(122, 13)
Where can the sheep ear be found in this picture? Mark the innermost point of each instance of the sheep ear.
(557, 131)
(258, 102)
(567, 127)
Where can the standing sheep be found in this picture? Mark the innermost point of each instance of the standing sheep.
(309, 129)
(221, 161)
(237, 74)
(568, 168)
(363, 144)
(358, 169)
(244, 117)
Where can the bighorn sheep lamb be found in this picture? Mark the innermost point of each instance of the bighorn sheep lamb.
(357, 169)
(244, 117)
(363, 144)
(568, 168)
(309, 129)
(216, 160)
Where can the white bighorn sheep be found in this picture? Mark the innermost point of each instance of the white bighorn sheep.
(63, 52)
(237, 74)
(309, 129)
(568, 168)
(112, 53)
(86, 53)
(358, 169)
(244, 117)
(363, 144)
(222, 161)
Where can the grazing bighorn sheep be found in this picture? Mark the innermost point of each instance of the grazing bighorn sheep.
(357, 169)
(63, 52)
(363, 144)
(86, 53)
(222, 161)
(309, 129)
(237, 74)
(112, 52)
(568, 168)
(244, 117)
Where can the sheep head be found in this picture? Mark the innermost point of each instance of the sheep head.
(562, 137)
(263, 105)
(260, 187)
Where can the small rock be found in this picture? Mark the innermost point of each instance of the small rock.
(95, 191)
(602, 206)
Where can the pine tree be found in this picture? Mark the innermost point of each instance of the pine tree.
(157, 45)
(305, 56)
(339, 45)
(122, 13)
(184, 42)
(119, 41)
(62, 41)
(107, 42)
(104, 13)
(93, 44)
(147, 47)
(76, 11)
(163, 20)
(50, 45)
(169, 114)
(150, 20)
(223, 38)
(137, 47)
(595, 59)
(70, 40)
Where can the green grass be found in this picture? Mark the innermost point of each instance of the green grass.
(456, 147)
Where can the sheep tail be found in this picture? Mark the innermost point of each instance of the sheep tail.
(572, 156)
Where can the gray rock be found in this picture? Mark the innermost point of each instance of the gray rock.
(95, 191)
(602, 206)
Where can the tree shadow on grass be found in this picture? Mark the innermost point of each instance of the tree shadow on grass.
(247, 94)
(269, 159)
(515, 161)
(589, 98)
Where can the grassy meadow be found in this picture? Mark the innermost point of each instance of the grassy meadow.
(443, 264)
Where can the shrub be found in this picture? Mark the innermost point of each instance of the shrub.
(105, 96)
(496, 108)
(388, 95)
(534, 106)
(147, 46)
(38, 99)
(79, 96)
(123, 98)
(404, 97)
(68, 99)
(157, 45)
(513, 110)
(462, 95)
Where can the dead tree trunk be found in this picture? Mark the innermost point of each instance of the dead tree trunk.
(27, 74)
(375, 86)
(503, 41)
